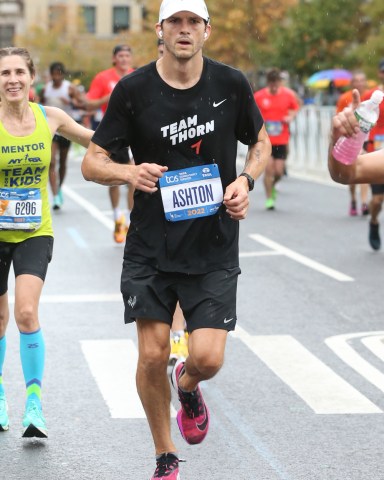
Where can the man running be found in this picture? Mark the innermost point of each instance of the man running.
(376, 142)
(182, 116)
(61, 93)
(98, 96)
(279, 106)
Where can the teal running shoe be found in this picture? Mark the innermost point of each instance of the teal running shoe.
(56, 202)
(4, 421)
(60, 196)
(34, 421)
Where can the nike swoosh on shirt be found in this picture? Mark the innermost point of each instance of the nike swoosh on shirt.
(202, 426)
(218, 103)
(229, 320)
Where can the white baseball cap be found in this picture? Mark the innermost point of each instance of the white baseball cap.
(170, 7)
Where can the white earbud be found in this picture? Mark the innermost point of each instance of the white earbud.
(205, 34)
(161, 34)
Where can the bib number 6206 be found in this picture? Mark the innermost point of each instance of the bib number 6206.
(25, 208)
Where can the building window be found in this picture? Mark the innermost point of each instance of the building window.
(57, 18)
(7, 33)
(11, 7)
(89, 18)
(120, 19)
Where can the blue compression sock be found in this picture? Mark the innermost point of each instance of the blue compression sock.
(3, 345)
(32, 354)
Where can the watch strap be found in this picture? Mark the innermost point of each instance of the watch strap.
(251, 181)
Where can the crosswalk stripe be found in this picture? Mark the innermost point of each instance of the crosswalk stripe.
(318, 385)
(113, 366)
(376, 345)
(340, 346)
(79, 298)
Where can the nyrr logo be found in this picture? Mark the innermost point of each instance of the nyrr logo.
(206, 172)
(172, 178)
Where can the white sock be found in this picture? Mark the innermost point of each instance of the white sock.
(178, 333)
(116, 214)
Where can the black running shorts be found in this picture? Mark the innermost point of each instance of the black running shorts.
(377, 189)
(61, 141)
(29, 257)
(207, 301)
(279, 152)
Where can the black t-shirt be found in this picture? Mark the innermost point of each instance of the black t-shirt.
(181, 128)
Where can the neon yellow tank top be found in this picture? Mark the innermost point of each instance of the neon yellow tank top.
(24, 173)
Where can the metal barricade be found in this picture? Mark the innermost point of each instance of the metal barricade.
(308, 146)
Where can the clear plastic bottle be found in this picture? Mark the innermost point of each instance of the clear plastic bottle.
(347, 149)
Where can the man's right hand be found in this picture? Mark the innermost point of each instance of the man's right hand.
(146, 176)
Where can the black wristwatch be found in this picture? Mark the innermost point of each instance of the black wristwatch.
(251, 181)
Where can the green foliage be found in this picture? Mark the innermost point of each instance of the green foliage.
(83, 56)
(300, 36)
(316, 35)
(371, 49)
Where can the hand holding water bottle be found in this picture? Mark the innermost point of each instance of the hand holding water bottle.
(345, 122)
(354, 125)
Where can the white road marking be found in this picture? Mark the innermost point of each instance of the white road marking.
(89, 207)
(376, 345)
(318, 385)
(113, 366)
(341, 277)
(277, 249)
(91, 298)
(264, 253)
(339, 345)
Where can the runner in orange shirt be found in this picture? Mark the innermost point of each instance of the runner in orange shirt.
(98, 96)
(376, 142)
(278, 106)
(358, 81)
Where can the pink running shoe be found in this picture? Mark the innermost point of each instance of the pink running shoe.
(193, 417)
(353, 209)
(167, 467)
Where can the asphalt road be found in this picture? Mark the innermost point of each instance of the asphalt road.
(301, 394)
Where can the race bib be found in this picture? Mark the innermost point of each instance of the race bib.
(274, 128)
(191, 193)
(378, 142)
(20, 209)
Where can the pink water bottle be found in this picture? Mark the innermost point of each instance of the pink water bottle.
(346, 150)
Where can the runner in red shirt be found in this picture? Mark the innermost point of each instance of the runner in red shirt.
(358, 81)
(376, 142)
(279, 106)
(98, 97)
